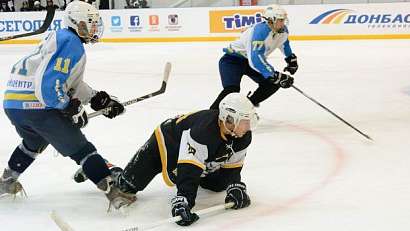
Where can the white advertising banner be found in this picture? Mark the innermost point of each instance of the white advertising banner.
(306, 22)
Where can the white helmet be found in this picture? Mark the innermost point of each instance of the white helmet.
(236, 107)
(274, 12)
(85, 20)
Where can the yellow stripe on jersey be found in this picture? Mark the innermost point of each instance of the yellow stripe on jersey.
(184, 117)
(234, 165)
(22, 97)
(193, 162)
(163, 154)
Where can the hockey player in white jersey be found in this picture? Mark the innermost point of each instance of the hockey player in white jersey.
(44, 101)
(248, 56)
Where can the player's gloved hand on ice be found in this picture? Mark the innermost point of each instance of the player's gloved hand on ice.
(180, 207)
(76, 112)
(236, 193)
(102, 100)
(281, 79)
(292, 62)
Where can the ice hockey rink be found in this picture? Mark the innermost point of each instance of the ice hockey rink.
(305, 170)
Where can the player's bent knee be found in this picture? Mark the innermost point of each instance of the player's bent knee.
(216, 187)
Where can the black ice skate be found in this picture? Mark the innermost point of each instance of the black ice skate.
(117, 198)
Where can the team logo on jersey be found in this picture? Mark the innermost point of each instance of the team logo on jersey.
(191, 150)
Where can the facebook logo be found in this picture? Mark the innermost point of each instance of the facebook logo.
(116, 21)
(135, 20)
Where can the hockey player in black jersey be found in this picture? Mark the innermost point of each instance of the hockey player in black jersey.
(205, 148)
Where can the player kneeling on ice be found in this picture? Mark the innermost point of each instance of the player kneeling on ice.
(44, 99)
(248, 56)
(205, 148)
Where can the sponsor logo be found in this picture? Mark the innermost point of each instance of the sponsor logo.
(27, 25)
(351, 17)
(33, 105)
(331, 17)
(229, 21)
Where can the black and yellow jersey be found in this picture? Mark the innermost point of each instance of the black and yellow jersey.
(192, 146)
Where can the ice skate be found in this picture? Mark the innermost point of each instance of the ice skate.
(10, 185)
(117, 198)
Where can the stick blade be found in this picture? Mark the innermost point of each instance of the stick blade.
(60, 222)
(167, 71)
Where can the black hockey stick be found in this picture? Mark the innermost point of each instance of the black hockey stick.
(167, 71)
(334, 114)
(42, 29)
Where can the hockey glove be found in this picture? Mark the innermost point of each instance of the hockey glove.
(281, 79)
(76, 113)
(292, 62)
(180, 207)
(102, 100)
(236, 193)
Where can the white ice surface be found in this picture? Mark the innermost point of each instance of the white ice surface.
(305, 170)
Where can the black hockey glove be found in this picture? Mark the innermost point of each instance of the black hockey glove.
(292, 62)
(76, 113)
(180, 207)
(281, 79)
(102, 100)
(236, 193)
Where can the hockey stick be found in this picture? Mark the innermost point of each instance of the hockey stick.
(42, 29)
(334, 114)
(178, 218)
(60, 222)
(167, 71)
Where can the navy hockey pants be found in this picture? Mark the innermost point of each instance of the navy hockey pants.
(38, 128)
(232, 68)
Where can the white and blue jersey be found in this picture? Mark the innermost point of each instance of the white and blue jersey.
(48, 77)
(257, 43)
